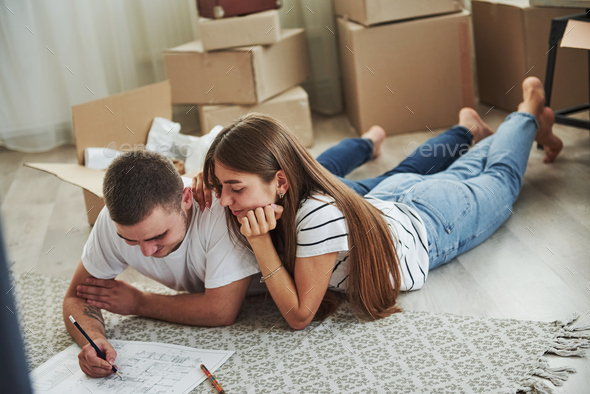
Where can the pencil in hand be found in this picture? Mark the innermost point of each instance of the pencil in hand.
(98, 351)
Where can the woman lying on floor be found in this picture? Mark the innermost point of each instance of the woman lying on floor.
(330, 238)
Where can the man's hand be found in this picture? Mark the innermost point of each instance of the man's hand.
(260, 221)
(201, 193)
(112, 295)
(94, 366)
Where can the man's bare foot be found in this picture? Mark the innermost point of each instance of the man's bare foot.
(470, 119)
(377, 135)
(552, 143)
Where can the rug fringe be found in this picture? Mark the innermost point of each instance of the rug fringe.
(534, 384)
(569, 341)
(567, 324)
(555, 375)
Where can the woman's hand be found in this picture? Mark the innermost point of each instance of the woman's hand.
(201, 193)
(260, 221)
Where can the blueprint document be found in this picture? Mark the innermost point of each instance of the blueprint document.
(146, 367)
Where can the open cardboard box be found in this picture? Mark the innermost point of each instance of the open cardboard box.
(121, 122)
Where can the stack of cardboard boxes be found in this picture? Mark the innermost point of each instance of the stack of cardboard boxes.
(406, 65)
(240, 65)
(225, 83)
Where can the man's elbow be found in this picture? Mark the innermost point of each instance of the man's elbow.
(224, 319)
(299, 324)
(228, 321)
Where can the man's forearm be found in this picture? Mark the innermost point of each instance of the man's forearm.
(89, 317)
(189, 309)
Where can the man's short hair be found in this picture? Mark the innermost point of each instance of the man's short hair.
(137, 182)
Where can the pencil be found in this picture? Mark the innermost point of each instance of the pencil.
(214, 381)
(98, 351)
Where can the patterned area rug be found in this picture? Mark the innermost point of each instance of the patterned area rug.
(409, 352)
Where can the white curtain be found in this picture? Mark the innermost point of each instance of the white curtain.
(59, 53)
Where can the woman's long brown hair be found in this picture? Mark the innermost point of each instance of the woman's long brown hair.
(258, 144)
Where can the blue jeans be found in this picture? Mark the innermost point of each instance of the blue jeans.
(463, 205)
(433, 156)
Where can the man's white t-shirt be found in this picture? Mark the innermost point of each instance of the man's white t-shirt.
(207, 258)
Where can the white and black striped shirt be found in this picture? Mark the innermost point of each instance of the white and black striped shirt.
(322, 229)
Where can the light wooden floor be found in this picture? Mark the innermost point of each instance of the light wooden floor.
(536, 266)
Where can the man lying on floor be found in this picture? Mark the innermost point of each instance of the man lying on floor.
(180, 246)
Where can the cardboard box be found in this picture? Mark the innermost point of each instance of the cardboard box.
(580, 38)
(255, 29)
(561, 3)
(371, 12)
(236, 76)
(407, 76)
(512, 42)
(121, 122)
(291, 108)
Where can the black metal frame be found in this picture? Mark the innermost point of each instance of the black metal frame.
(558, 26)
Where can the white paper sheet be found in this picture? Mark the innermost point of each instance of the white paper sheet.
(146, 367)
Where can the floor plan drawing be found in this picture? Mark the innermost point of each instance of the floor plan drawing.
(146, 367)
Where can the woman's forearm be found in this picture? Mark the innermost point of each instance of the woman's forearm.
(280, 285)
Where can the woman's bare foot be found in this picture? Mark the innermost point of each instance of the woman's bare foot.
(377, 135)
(533, 94)
(470, 119)
(552, 143)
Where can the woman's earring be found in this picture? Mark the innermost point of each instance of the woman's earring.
(281, 195)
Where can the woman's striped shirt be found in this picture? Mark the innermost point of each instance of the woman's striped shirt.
(322, 229)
